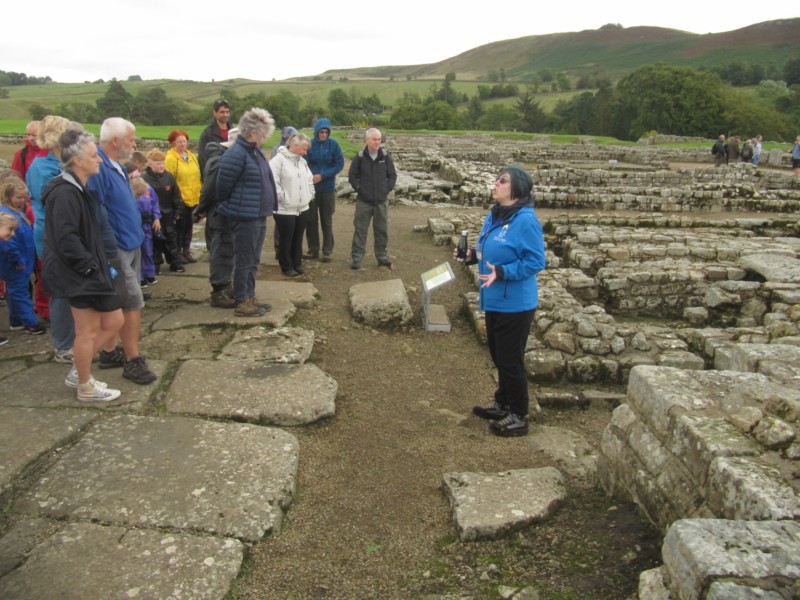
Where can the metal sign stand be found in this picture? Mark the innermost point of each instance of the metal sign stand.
(435, 314)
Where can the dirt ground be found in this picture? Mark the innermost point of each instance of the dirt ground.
(369, 519)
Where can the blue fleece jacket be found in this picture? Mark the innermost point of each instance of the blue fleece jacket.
(114, 192)
(325, 158)
(19, 250)
(41, 171)
(515, 244)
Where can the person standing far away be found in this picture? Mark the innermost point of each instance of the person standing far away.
(29, 152)
(111, 184)
(796, 157)
(372, 175)
(757, 149)
(217, 131)
(720, 151)
(326, 161)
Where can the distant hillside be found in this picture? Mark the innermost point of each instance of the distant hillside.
(608, 51)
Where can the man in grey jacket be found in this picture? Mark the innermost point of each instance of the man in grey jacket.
(372, 175)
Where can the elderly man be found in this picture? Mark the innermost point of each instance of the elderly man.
(217, 131)
(29, 152)
(117, 143)
(372, 176)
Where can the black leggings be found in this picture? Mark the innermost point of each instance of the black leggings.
(507, 335)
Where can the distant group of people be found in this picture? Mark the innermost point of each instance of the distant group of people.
(733, 150)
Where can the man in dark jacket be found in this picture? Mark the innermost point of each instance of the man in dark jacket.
(219, 239)
(217, 131)
(720, 151)
(372, 176)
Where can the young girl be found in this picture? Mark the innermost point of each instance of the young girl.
(8, 225)
(17, 258)
(147, 201)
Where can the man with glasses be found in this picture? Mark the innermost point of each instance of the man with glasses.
(217, 131)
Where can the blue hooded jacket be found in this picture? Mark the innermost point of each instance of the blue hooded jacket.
(516, 244)
(19, 250)
(325, 158)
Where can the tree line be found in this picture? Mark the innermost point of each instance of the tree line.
(662, 98)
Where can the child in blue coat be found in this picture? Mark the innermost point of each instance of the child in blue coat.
(17, 259)
(147, 201)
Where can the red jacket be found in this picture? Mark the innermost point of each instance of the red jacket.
(25, 156)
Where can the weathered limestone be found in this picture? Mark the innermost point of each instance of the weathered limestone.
(85, 560)
(283, 345)
(172, 472)
(276, 394)
(570, 451)
(381, 303)
(493, 505)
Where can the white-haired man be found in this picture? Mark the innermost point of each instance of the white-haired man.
(111, 184)
(372, 175)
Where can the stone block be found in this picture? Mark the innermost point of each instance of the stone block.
(544, 365)
(493, 505)
(381, 303)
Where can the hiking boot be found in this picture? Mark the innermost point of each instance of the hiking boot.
(111, 360)
(265, 305)
(221, 300)
(509, 426)
(96, 391)
(311, 256)
(249, 308)
(63, 356)
(187, 255)
(71, 380)
(493, 412)
(137, 371)
(291, 273)
(355, 265)
(384, 262)
(326, 258)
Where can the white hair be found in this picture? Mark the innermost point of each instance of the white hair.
(114, 128)
(256, 120)
(372, 131)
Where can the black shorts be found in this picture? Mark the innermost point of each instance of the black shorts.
(100, 303)
(796, 163)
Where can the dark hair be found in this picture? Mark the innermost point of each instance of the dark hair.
(220, 103)
(521, 182)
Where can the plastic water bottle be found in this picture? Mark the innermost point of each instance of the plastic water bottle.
(463, 244)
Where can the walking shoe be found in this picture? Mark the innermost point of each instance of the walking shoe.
(326, 258)
(63, 356)
(291, 273)
(300, 270)
(384, 262)
(265, 305)
(151, 280)
(35, 329)
(509, 426)
(311, 255)
(187, 254)
(111, 360)
(143, 284)
(177, 268)
(3, 341)
(96, 391)
(137, 371)
(16, 327)
(355, 266)
(221, 300)
(71, 380)
(493, 412)
(249, 308)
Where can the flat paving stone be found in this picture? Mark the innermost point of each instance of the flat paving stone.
(773, 267)
(84, 561)
(263, 393)
(42, 386)
(10, 367)
(488, 506)
(21, 539)
(570, 450)
(230, 479)
(182, 287)
(282, 345)
(27, 433)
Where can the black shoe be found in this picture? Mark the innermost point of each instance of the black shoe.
(384, 262)
(509, 426)
(177, 268)
(355, 266)
(300, 270)
(291, 273)
(493, 412)
(137, 371)
(35, 329)
(111, 360)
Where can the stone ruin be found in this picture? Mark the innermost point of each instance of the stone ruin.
(699, 316)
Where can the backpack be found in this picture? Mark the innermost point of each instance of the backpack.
(747, 151)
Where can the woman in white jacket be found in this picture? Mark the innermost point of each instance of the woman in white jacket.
(293, 180)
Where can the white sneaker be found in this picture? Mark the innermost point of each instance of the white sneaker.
(96, 391)
(72, 379)
(63, 356)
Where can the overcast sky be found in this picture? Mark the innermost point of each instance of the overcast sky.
(90, 39)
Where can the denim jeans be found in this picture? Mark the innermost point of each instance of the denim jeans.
(62, 327)
(248, 238)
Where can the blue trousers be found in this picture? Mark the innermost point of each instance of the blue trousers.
(18, 298)
(248, 238)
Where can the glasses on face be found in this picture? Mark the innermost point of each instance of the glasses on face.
(503, 180)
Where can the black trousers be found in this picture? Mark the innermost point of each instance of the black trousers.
(290, 230)
(167, 247)
(507, 335)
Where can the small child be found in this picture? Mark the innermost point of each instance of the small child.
(17, 258)
(8, 226)
(147, 201)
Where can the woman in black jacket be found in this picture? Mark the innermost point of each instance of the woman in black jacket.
(74, 262)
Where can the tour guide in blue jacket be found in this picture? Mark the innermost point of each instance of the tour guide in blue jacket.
(510, 252)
